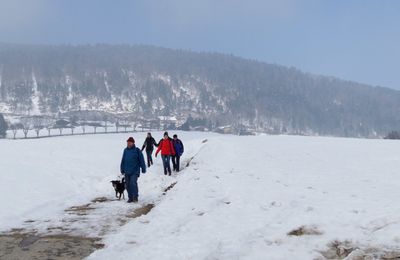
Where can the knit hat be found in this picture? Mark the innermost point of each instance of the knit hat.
(165, 133)
(131, 140)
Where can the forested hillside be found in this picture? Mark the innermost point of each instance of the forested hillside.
(223, 89)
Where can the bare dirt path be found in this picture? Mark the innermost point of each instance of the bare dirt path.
(75, 236)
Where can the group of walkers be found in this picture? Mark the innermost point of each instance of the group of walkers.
(170, 148)
(133, 160)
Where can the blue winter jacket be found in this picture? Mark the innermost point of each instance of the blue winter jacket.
(132, 161)
(178, 145)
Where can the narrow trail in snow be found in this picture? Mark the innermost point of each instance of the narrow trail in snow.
(79, 231)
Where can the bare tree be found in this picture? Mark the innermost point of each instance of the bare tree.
(158, 124)
(61, 124)
(123, 123)
(126, 125)
(105, 119)
(26, 131)
(37, 124)
(117, 125)
(48, 124)
(83, 122)
(14, 128)
(73, 120)
(26, 125)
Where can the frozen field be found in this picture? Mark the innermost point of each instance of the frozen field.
(263, 197)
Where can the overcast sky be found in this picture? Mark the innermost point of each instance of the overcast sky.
(352, 39)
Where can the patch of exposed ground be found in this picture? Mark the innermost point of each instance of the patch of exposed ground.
(28, 246)
(169, 187)
(68, 239)
(305, 231)
(351, 251)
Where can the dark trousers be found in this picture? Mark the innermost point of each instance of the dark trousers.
(166, 163)
(131, 186)
(149, 157)
(176, 162)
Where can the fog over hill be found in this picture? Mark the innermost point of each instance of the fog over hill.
(151, 81)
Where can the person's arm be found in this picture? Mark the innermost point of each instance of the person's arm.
(173, 148)
(141, 161)
(155, 143)
(183, 148)
(159, 147)
(144, 145)
(122, 163)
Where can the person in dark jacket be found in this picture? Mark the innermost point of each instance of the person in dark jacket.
(149, 144)
(131, 163)
(167, 150)
(178, 146)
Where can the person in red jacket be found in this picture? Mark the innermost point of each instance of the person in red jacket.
(167, 150)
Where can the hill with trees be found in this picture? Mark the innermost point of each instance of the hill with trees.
(149, 82)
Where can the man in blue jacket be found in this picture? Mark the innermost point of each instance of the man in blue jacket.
(178, 146)
(131, 163)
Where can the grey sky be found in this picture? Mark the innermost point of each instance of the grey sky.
(354, 39)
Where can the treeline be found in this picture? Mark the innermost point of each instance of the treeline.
(395, 135)
(76, 123)
(92, 122)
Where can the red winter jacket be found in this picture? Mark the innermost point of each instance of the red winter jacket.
(166, 147)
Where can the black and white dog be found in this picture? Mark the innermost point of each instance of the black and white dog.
(119, 187)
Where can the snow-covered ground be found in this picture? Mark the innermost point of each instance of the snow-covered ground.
(238, 199)
(42, 177)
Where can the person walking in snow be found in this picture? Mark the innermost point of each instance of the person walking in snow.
(149, 144)
(178, 146)
(131, 163)
(167, 150)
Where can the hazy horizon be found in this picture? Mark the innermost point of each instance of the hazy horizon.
(351, 40)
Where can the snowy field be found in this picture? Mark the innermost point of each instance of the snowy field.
(257, 197)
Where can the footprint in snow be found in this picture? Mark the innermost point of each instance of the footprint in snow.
(309, 209)
(275, 204)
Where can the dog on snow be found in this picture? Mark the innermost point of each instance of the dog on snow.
(119, 187)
